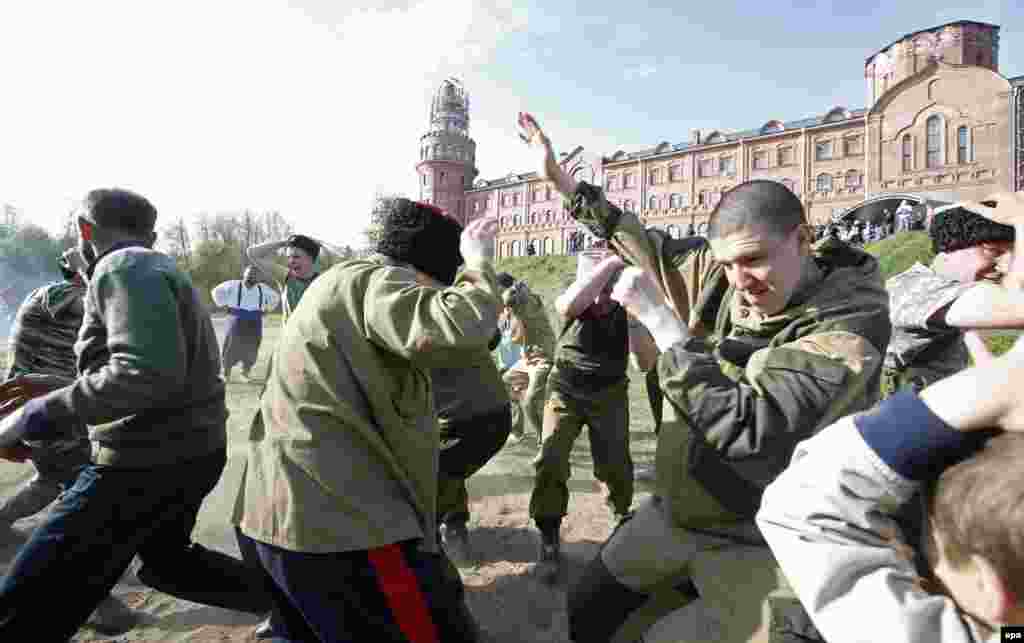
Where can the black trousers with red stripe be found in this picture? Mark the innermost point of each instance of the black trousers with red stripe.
(393, 594)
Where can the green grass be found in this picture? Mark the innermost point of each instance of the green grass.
(901, 251)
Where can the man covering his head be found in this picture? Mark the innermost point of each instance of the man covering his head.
(148, 386)
(292, 281)
(931, 306)
(764, 340)
(340, 490)
(246, 301)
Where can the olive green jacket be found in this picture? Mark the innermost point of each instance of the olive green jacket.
(343, 455)
(745, 388)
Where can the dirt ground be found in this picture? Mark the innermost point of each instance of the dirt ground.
(511, 604)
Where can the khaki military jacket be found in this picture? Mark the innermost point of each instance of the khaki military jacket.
(745, 388)
(528, 307)
(343, 455)
(923, 351)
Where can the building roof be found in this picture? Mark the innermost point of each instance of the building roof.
(867, 61)
(1016, 80)
(727, 137)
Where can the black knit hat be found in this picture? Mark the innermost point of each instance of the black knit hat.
(421, 235)
(956, 227)
(304, 243)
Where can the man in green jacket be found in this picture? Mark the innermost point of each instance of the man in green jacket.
(340, 492)
(531, 329)
(764, 340)
(150, 391)
(293, 280)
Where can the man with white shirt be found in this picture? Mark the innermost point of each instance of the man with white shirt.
(246, 301)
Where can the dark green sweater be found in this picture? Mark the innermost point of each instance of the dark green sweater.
(149, 383)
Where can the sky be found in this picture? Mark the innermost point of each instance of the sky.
(311, 107)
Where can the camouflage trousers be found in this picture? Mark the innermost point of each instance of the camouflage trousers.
(606, 415)
(668, 584)
(527, 386)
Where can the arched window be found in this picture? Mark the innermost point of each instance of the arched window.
(652, 203)
(907, 153)
(516, 250)
(675, 201)
(824, 183)
(963, 146)
(934, 128)
(549, 246)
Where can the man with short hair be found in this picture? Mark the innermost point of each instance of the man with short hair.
(292, 281)
(149, 388)
(42, 342)
(339, 496)
(764, 340)
(931, 306)
(247, 301)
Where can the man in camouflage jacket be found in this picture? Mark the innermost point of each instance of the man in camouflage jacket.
(931, 306)
(531, 329)
(764, 340)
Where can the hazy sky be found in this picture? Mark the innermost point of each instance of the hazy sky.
(309, 107)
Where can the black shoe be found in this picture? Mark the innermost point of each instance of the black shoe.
(455, 538)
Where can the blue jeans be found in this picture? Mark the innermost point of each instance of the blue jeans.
(109, 516)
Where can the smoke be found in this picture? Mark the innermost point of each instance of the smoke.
(18, 278)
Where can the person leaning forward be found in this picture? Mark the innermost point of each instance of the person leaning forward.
(764, 340)
(339, 494)
(149, 389)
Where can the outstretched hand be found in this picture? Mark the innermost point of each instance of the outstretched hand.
(548, 166)
(477, 240)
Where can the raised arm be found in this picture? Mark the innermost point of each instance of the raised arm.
(581, 293)
(262, 256)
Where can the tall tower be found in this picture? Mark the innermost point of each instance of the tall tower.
(447, 164)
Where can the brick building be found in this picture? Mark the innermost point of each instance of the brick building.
(942, 123)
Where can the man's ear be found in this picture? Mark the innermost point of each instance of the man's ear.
(999, 602)
(805, 237)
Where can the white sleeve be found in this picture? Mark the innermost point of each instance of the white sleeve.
(827, 518)
(226, 294)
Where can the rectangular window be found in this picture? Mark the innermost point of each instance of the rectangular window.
(707, 167)
(761, 160)
(823, 151)
(673, 173)
(611, 183)
(785, 156)
(727, 166)
(962, 148)
(852, 146)
(627, 180)
(934, 150)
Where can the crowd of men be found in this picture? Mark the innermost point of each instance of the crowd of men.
(823, 450)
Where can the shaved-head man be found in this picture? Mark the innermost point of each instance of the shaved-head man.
(764, 339)
(246, 301)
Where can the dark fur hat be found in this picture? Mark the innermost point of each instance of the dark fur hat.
(955, 228)
(421, 235)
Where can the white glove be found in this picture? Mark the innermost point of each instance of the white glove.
(640, 297)
(477, 241)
